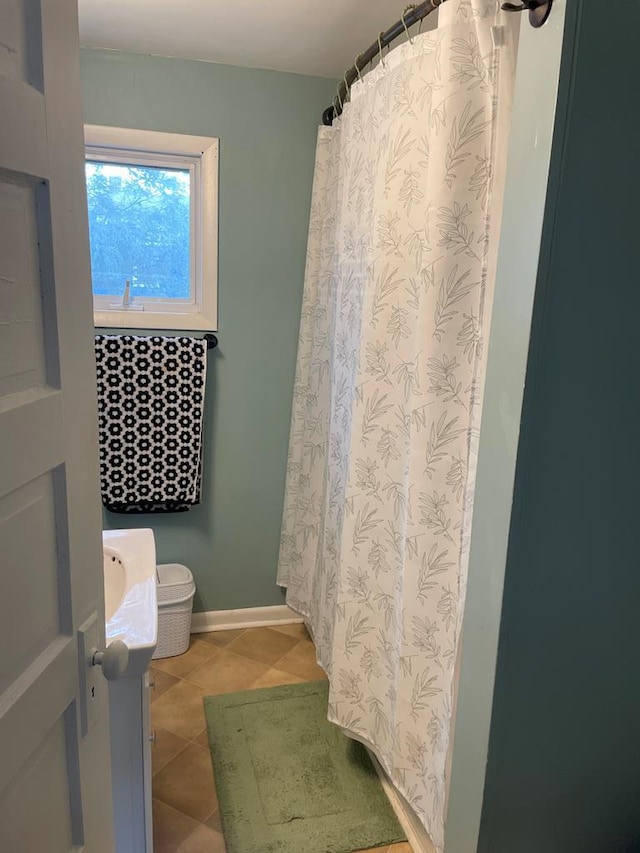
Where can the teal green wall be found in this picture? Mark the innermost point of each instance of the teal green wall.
(563, 774)
(530, 145)
(266, 122)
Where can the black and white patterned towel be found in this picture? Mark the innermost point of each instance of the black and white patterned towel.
(150, 418)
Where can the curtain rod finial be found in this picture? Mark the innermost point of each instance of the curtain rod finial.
(328, 115)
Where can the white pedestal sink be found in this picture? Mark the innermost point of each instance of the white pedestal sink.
(131, 617)
(131, 607)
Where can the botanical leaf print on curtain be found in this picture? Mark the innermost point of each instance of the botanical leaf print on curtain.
(381, 457)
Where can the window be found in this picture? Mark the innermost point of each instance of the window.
(153, 206)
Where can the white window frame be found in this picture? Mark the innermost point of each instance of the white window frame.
(198, 154)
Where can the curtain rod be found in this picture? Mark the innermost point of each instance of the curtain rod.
(539, 11)
(412, 15)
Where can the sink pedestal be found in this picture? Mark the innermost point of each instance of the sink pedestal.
(131, 623)
(131, 744)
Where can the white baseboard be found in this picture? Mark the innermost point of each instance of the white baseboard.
(417, 835)
(247, 617)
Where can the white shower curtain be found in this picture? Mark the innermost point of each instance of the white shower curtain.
(381, 459)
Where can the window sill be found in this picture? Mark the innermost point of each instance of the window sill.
(154, 320)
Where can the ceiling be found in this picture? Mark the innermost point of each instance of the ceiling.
(316, 37)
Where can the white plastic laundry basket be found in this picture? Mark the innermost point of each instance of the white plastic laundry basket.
(175, 603)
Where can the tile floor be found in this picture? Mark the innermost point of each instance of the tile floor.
(185, 809)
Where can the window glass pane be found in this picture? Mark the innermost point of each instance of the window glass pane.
(139, 225)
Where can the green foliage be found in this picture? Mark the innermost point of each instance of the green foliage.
(139, 228)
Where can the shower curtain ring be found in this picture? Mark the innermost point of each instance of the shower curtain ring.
(347, 88)
(381, 57)
(411, 6)
(357, 67)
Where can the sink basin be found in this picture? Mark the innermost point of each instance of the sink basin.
(131, 607)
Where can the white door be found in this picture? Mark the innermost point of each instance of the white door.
(54, 778)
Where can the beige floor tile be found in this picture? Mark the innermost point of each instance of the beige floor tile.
(162, 681)
(276, 678)
(170, 828)
(181, 665)
(204, 840)
(220, 638)
(213, 822)
(186, 783)
(296, 630)
(262, 644)
(166, 746)
(202, 739)
(180, 710)
(227, 673)
(301, 661)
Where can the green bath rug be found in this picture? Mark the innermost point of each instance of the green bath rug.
(288, 781)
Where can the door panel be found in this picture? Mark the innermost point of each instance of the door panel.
(22, 352)
(20, 51)
(22, 827)
(27, 631)
(55, 792)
